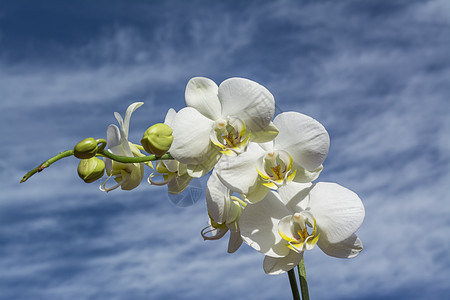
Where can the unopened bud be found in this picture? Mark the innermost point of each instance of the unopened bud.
(157, 139)
(87, 148)
(91, 169)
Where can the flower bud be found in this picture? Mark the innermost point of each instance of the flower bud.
(91, 169)
(157, 139)
(87, 148)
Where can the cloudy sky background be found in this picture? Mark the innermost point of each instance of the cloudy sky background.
(375, 73)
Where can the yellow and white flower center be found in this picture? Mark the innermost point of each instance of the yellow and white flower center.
(275, 168)
(230, 136)
(295, 230)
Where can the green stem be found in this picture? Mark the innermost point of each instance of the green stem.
(122, 159)
(101, 144)
(135, 159)
(303, 282)
(46, 164)
(294, 287)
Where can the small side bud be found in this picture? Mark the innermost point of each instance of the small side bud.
(91, 169)
(157, 139)
(85, 149)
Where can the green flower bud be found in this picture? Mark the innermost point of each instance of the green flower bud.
(91, 169)
(157, 139)
(87, 148)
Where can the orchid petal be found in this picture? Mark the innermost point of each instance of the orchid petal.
(268, 147)
(119, 150)
(125, 123)
(182, 169)
(110, 164)
(216, 198)
(258, 192)
(347, 248)
(303, 137)
(259, 225)
(171, 165)
(295, 195)
(113, 140)
(206, 164)
(339, 211)
(178, 184)
(304, 176)
(201, 94)
(113, 136)
(119, 119)
(234, 212)
(171, 113)
(234, 242)
(134, 178)
(135, 150)
(247, 100)
(239, 173)
(279, 265)
(190, 136)
(267, 134)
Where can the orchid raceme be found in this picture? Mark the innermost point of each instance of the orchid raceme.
(296, 154)
(271, 164)
(297, 217)
(127, 175)
(224, 211)
(221, 120)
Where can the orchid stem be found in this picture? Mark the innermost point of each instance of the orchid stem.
(302, 277)
(135, 159)
(293, 282)
(104, 153)
(46, 164)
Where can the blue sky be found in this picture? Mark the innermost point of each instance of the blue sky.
(375, 73)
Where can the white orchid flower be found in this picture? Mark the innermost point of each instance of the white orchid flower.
(285, 224)
(296, 154)
(174, 173)
(220, 119)
(224, 211)
(127, 175)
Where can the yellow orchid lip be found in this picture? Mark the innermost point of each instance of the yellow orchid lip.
(301, 240)
(230, 136)
(276, 169)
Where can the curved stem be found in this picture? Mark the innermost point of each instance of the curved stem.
(294, 287)
(303, 282)
(101, 144)
(46, 164)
